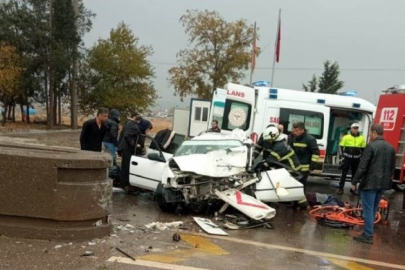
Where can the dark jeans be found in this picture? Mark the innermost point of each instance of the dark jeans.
(347, 165)
(112, 149)
(369, 202)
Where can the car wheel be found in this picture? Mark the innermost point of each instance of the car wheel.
(161, 200)
(399, 187)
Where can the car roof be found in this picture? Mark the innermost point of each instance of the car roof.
(213, 136)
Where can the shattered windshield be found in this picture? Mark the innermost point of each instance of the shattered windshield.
(203, 147)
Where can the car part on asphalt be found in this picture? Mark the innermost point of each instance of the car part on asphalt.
(208, 226)
(176, 237)
(126, 254)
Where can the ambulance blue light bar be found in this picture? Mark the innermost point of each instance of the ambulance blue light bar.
(321, 101)
(261, 84)
(273, 93)
(349, 93)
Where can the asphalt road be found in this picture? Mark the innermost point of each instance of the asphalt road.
(295, 242)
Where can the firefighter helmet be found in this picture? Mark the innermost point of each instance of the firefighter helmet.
(271, 133)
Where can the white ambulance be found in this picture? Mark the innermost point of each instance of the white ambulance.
(327, 117)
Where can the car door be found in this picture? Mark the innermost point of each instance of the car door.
(146, 171)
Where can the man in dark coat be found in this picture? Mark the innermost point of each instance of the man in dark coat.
(145, 126)
(111, 136)
(129, 143)
(374, 175)
(93, 132)
(306, 148)
(214, 127)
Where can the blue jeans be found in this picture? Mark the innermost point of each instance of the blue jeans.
(369, 201)
(112, 149)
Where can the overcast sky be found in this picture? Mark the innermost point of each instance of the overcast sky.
(366, 37)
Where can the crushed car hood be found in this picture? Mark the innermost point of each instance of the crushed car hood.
(220, 163)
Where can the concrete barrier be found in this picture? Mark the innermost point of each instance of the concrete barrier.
(53, 192)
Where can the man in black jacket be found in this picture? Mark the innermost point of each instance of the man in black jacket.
(214, 127)
(306, 148)
(93, 132)
(111, 136)
(130, 143)
(375, 171)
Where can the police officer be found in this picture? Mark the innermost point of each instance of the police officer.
(306, 148)
(275, 148)
(351, 148)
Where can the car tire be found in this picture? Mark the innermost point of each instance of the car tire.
(161, 201)
(399, 187)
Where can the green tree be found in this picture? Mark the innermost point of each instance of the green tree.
(219, 52)
(328, 82)
(312, 85)
(10, 76)
(47, 52)
(117, 74)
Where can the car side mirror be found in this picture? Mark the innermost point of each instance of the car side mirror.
(156, 157)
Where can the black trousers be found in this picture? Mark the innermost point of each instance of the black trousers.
(125, 165)
(347, 165)
(304, 179)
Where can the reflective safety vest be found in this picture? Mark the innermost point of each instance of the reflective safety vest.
(352, 146)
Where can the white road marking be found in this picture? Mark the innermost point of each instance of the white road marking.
(303, 251)
(153, 264)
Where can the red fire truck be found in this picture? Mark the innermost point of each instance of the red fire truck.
(391, 114)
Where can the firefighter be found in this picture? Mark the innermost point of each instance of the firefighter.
(306, 148)
(275, 148)
(351, 148)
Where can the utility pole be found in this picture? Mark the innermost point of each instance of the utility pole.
(73, 87)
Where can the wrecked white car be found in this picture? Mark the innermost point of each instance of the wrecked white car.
(214, 167)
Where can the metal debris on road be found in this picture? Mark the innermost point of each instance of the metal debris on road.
(164, 226)
(126, 254)
(208, 226)
(98, 223)
(176, 237)
(87, 254)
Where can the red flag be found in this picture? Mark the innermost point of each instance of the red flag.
(278, 40)
(254, 50)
